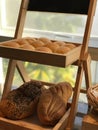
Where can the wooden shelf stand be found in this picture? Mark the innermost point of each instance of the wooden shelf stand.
(79, 56)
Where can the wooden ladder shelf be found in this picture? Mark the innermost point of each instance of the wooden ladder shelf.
(80, 57)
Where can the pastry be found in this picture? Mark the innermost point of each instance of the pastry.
(70, 45)
(17, 107)
(11, 44)
(63, 89)
(44, 49)
(53, 46)
(30, 40)
(50, 108)
(37, 43)
(27, 47)
(21, 102)
(22, 41)
(45, 40)
(60, 43)
(62, 50)
(1, 114)
(31, 89)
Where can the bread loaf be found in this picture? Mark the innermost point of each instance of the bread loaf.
(31, 89)
(21, 102)
(1, 114)
(17, 107)
(50, 108)
(63, 89)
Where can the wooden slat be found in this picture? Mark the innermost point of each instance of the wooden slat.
(75, 97)
(88, 27)
(94, 53)
(21, 19)
(9, 78)
(87, 69)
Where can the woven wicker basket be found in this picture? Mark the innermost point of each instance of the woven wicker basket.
(92, 95)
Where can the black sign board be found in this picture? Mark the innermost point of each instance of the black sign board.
(62, 6)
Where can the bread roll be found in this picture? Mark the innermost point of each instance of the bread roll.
(30, 40)
(45, 40)
(70, 45)
(44, 49)
(22, 41)
(37, 43)
(27, 40)
(53, 46)
(62, 50)
(21, 102)
(27, 47)
(11, 44)
(60, 43)
(50, 108)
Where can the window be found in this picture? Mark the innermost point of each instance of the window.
(49, 25)
(48, 22)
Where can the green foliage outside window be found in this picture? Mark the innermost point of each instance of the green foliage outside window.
(44, 73)
(51, 74)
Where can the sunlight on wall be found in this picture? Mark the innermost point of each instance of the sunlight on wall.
(3, 13)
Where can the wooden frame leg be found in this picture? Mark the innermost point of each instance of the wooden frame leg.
(87, 70)
(22, 71)
(9, 77)
(75, 98)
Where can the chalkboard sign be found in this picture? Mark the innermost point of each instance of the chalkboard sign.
(62, 6)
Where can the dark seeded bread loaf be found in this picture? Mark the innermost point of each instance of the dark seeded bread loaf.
(21, 102)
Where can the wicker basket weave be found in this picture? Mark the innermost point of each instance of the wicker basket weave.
(92, 95)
